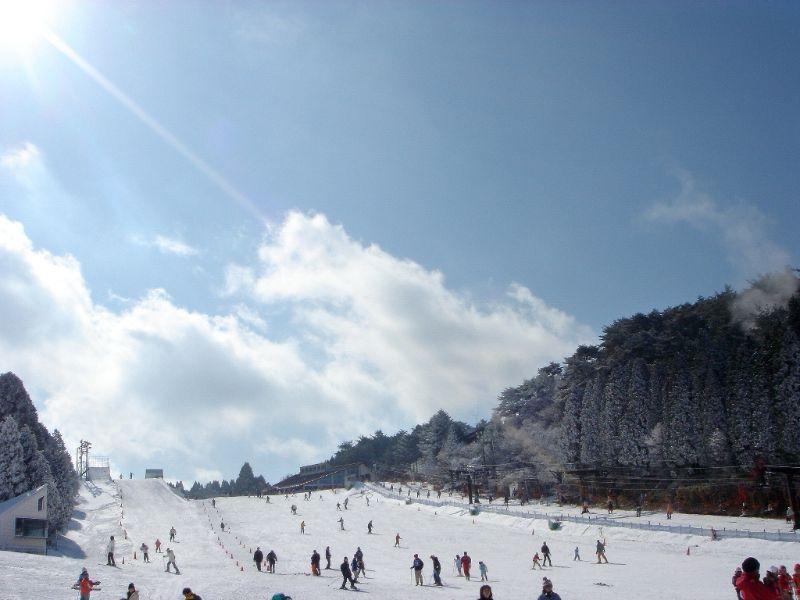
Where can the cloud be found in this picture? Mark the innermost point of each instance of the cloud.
(367, 340)
(20, 157)
(262, 25)
(742, 228)
(167, 245)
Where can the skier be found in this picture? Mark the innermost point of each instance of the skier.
(222, 525)
(600, 551)
(466, 562)
(669, 510)
(536, 562)
(546, 555)
(347, 575)
(145, 550)
(341, 523)
(110, 552)
(158, 545)
(369, 527)
(484, 570)
(171, 561)
(577, 555)
(85, 585)
(639, 510)
(547, 591)
(294, 509)
(315, 563)
(417, 566)
(610, 506)
(359, 554)
(132, 594)
(213, 503)
(346, 500)
(367, 500)
(172, 533)
(789, 514)
(258, 557)
(397, 539)
(338, 506)
(354, 568)
(327, 557)
(437, 570)
(585, 508)
(361, 570)
(302, 527)
(272, 558)
(188, 594)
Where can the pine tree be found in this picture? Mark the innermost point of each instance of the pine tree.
(12, 462)
(634, 424)
(681, 432)
(65, 478)
(614, 403)
(590, 419)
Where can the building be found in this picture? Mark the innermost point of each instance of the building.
(23, 522)
(99, 469)
(154, 473)
(324, 476)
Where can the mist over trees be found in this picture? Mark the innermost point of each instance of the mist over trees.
(31, 456)
(714, 382)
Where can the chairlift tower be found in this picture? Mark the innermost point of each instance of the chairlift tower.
(82, 459)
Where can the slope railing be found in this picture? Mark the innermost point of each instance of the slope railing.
(600, 521)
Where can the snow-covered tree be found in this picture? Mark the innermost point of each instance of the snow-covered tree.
(12, 462)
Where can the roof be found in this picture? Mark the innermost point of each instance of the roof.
(12, 502)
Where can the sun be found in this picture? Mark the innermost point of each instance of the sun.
(22, 22)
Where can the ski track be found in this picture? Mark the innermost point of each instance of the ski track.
(644, 564)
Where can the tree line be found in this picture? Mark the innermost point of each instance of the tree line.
(31, 456)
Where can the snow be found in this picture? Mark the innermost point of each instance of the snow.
(644, 564)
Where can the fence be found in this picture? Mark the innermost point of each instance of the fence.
(773, 536)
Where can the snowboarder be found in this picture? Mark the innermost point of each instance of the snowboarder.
(577, 555)
(547, 591)
(158, 545)
(315, 563)
(172, 533)
(397, 539)
(484, 570)
(347, 575)
(417, 566)
(341, 523)
(272, 558)
(171, 561)
(546, 555)
(466, 562)
(437, 570)
(188, 594)
(110, 551)
(85, 585)
(302, 527)
(145, 550)
(132, 594)
(258, 557)
(536, 562)
(369, 527)
(327, 557)
(600, 551)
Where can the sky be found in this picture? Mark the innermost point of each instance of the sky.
(250, 231)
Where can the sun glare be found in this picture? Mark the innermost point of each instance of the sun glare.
(22, 21)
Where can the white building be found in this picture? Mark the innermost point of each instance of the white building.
(23, 522)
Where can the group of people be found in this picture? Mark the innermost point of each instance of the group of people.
(777, 583)
(86, 585)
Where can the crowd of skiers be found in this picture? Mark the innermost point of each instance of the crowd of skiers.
(777, 583)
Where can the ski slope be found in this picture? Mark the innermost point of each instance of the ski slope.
(219, 565)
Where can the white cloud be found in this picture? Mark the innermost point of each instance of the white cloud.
(742, 228)
(167, 245)
(21, 157)
(368, 340)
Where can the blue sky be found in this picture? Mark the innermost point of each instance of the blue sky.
(429, 186)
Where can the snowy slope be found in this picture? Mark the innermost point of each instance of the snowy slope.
(644, 564)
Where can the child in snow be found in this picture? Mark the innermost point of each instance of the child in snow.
(158, 545)
(110, 552)
(85, 585)
(171, 561)
(397, 539)
(132, 593)
(188, 594)
(172, 533)
(145, 552)
(485, 593)
(536, 562)
(547, 591)
(458, 564)
(483, 570)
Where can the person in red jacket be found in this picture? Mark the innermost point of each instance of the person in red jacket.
(466, 561)
(785, 583)
(749, 584)
(796, 579)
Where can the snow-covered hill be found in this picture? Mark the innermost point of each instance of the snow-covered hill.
(219, 565)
